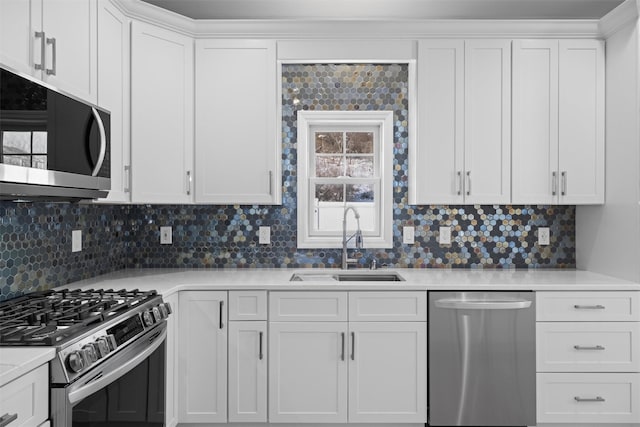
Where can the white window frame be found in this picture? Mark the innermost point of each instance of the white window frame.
(382, 121)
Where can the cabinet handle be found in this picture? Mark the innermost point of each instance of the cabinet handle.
(188, 183)
(260, 355)
(52, 71)
(554, 183)
(342, 353)
(353, 346)
(459, 183)
(40, 35)
(564, 182)
(587, 399)
(7, 419)
(589, 307)
(595, 347)
(221, 309)
(271, 183)
(468, 183)
(127, 178)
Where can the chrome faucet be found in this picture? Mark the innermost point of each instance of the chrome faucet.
(358, 236)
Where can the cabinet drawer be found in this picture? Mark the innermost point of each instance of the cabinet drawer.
(387, 306)
(588, 398)
(588, 306)
(587, 347)
(247, 305)
(308, 306)
(28, 397)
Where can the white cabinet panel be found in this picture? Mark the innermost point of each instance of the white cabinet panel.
(247, 305)
(237, 143)
(386, 306)
(388, 372)
(161, 115)
(27, 397)
(308, 306)
(17, 34)
(202, 357)
(172, 357)
(588, 306)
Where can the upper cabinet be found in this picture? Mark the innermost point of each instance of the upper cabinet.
(54, 41)
(236, 123)
(558, 121)
(161, 115)
(462, 153)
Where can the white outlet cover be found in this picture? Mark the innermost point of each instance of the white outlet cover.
(76, 240)
(166, 235)
(264, 235)
(408, 235)
(445, 235)
(544, 236)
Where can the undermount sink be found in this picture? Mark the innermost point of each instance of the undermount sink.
(370, 276)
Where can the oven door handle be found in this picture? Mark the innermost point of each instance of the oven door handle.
(117, 367)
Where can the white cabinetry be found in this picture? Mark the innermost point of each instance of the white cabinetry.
(463, 149)
(54, 41)
(587, 363)
(558, 121)
(202, 357)
(237, 154)
(328, 369)
(171, 374)
(26, 399)
(114, 93)
(161, 115)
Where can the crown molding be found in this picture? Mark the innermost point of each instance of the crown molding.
(623, 15)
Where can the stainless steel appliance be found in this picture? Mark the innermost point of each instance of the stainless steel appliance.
(482, 369)
(51, 145)
(109, 368)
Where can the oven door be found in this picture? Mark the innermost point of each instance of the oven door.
(128, 389)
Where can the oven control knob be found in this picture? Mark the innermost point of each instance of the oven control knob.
(102, 348)
(111, 342)
(147, 318)
(75, 361)
(165, 310)
(156, 314)
(89, 354)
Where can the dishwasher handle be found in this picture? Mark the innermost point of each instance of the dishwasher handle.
(498, 304)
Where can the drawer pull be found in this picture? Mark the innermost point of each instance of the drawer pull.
(589, 399)
(7, 419)
(592, 347)
(589, 307)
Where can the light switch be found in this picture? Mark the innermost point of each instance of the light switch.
(264, 235)
(76, 240)
(543, 236)
(166, 235)
(445, 235)
(408, 235)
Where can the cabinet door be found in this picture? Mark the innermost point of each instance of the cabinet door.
(113, 93)
(535, 122)
(487, 130)
(581, 121)
(171, 374)
(161, 115)
(436, 160)
(19, 48)
(307, 372)
(202, 357)
(71, 60)
(237, 141)
(388, 372)
(248, 371)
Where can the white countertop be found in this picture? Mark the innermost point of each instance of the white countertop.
(17, 361)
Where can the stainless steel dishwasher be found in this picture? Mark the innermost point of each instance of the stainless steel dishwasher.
(482, 369)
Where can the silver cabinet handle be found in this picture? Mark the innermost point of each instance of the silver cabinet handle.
(459, 182)
(564, 182)
(260, 354)
(593, 347)
(554, 183)
(270, 183)
(40, 35)
(589, 399)
(52, 71)
(342, 353)
(468, 183)
(7, 419)
(459, 304)
(127, 178)
(103, 142)
(589, 307)
(221, 310)
(188, 183)
(353, 346)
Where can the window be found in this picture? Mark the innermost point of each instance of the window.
(344, 159)
(24, 148)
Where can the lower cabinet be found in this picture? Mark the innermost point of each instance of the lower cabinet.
(25, 400)
(171, 376)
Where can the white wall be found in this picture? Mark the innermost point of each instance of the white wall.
(608, 237)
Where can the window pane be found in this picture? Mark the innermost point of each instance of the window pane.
(328, 142)
(17, 160)
(39, 162)
(360, 167)
(40, 143)
(360, 142)
(331, 166)
(329, 192)
(16, 142)
(360, 193)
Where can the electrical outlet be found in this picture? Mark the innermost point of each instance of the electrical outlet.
(166, 235)
(408, 235)
(445, 235)
(264, 235)
(76, 240)
(543, 236)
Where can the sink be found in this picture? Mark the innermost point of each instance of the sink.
(370, 276)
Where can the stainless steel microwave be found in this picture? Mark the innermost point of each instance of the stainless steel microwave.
(52, 146)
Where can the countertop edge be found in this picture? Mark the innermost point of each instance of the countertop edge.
(24, 360)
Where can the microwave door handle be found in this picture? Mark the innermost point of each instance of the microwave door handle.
(103, 142)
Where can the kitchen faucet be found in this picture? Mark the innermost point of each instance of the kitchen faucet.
(358, 235)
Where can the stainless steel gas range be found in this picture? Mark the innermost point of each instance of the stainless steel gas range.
(109, 367)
